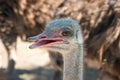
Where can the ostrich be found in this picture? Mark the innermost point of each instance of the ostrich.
(63, 37)
(8, 35)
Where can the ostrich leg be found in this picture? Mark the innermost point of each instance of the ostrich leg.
(11, 59)
(10, 45)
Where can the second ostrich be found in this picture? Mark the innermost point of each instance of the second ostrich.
(64, 37)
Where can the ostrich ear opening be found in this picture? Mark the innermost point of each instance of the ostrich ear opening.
(79, 36)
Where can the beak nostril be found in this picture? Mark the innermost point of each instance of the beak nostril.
(43, 37)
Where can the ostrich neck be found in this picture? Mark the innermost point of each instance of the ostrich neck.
(73, 64)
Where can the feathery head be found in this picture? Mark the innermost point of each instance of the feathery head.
(59, 33)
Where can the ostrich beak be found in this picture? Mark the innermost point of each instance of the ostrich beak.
(42, 40)
(37, 37)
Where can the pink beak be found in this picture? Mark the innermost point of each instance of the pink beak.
(43, 41)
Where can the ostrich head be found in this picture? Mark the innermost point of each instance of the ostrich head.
(59, 34)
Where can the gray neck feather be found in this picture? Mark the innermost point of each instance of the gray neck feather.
(73, 64)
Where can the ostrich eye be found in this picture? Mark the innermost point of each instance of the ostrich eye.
(67, 32)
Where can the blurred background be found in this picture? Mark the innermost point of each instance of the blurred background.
(19, 19)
